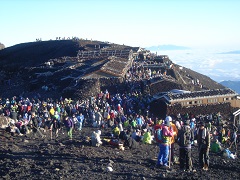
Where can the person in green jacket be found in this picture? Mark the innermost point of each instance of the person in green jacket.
(134, 123)
(215, 146)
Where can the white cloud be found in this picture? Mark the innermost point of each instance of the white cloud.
(217, 66)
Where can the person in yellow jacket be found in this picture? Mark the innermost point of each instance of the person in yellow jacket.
(116, 131)
(52, 111)
(172, 139)
(147, 138)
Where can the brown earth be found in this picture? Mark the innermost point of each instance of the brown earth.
(34, 158)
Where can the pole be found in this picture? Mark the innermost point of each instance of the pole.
(169, 158)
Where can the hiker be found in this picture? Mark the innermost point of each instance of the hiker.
(75, 122)
(98, 117)
(234, 138)
(96, 139)
(139, 121)
(116, 132)
(147, 137)
(54, 128)
(203, 140)
(167, 132)
(69, 126)
(80, 119)
(215, 146)
(136, 135)
(185, 137)
(35, 125)
(12, 128)
(172, 139)
(130, 142)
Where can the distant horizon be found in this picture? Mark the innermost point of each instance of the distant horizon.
(222, 49)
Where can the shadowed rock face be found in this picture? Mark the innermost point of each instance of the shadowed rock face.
(78, 68)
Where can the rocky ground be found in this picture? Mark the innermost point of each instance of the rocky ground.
(35, 158)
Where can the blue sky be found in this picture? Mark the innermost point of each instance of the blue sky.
(191, 23)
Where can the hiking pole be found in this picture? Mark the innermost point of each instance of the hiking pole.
(169, 158)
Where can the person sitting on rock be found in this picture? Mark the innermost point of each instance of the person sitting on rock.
(215, 146)
(116, 132)
(13, 129)
(136, 135)
(147, 137)
(130, 142)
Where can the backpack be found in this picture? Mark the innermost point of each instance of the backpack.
(185, 136)
(158, 134)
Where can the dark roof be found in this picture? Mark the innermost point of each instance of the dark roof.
(206, 93)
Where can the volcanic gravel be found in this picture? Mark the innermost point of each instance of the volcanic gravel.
(30, 157)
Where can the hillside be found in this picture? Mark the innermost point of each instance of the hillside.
(235, 85)
(77, 67)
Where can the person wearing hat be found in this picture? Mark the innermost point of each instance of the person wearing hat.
(167, 132)
(203, 140)
(185, 137)
(68, 123)
(172, 139)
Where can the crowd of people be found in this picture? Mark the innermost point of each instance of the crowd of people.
(128, 119)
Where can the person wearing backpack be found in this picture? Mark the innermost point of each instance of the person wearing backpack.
(185, 137)
(162, 135)
(203, 140)
(173, 138)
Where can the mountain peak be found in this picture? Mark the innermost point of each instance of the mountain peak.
(69, 67)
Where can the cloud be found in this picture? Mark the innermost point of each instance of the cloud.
(217, 66)
(210, 63)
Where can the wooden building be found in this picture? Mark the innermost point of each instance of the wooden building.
(190, 101)
(187, 98)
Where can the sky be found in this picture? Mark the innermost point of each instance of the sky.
(190, 23)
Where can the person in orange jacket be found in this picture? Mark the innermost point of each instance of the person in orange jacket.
(172, 139)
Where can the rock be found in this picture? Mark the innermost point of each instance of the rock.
(110, 161)
(109, 169)
(25, 141)
(62, 145)
(57, 169)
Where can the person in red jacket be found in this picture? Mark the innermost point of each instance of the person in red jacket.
(167, 133)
